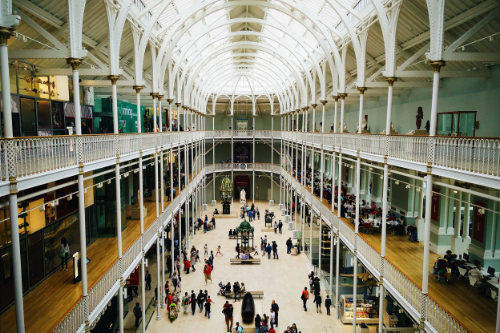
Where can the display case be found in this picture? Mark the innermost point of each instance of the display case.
(367, 310)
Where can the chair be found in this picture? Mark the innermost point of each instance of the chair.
(367, 227)
(463, 273)
(493, 294)
(472, 281)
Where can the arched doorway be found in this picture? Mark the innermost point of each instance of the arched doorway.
(241, 182)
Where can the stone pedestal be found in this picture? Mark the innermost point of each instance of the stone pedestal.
(418, 132)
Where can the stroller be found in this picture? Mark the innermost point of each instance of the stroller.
(173, 312)
(440, 269)
(411, 231)
(222, 290)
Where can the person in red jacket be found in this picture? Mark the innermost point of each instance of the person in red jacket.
(187, 266)
(208, 273)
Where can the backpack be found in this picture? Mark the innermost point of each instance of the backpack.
(185, 301)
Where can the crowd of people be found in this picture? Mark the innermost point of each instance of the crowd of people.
(315, 290)
(251, 212)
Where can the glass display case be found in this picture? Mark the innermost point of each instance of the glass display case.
(367, 310)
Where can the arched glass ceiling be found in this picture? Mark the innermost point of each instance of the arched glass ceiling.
(282, 33)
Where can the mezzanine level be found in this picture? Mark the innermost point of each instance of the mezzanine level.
(37, 160)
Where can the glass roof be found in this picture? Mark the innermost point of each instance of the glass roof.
(285, 39)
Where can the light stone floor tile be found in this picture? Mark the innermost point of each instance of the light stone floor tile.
(281, 280)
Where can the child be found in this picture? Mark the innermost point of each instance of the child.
(256, 253)
(328, 303)
(218, 251)
(179, 285)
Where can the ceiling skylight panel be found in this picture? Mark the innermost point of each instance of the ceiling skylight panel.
(216, 17)
(183, 5)
(330, 16)
(280, 17)
(310, 39)
(273, 31)
(167, 18)
(224, 30)
(315, 5)
(196, 27)
(297, 28)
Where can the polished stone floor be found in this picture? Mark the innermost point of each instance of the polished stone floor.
(281, 280)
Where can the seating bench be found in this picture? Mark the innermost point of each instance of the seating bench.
(267, 230)
(244, 261)
(259, 294)
(232, 236)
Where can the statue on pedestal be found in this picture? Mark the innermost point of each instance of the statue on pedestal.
(243, 197)
(147, 121)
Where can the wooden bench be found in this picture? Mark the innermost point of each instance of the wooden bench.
(232, 236)
(267, 230)
(244, 261)
(258, 294)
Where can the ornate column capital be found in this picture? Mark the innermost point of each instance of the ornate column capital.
(362, 90)
(436, 65)
(154, 95)
(138, 88)
(5, 34)
(185, 107)
(160, 97)
(343, 95)
(113, 78)
(170, 101)
(306, 108)
(336, 98)
(314, 106)
(324, 102)
(391, 80)
(74, 62)
(178, 104)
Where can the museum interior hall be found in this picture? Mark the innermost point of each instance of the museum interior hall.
(303, 166)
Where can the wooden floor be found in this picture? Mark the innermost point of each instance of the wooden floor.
(47, 304)
(476, 312)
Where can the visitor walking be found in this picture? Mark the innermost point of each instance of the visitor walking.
(289, 246)
(271, 318)
(175, 279)
(276, 309)
(258, 323)
(208, 304)
(304, 297)
(317, 300)
(193, 302)
(238, 249)
(228, 313)
(147, 279)
(200, 300)
(280, 226)
(208, 273)
(206, 250)
(275, 250)
(328, 303)
(275, 227)
(185, 302)
(137, 314)
(268, 250)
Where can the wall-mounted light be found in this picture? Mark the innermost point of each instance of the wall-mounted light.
(99, 185)
(408, 186)
(42, 209)
(70, 197)
(396, 182)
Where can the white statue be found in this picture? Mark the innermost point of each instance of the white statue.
(364, 125)
(243, 197)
